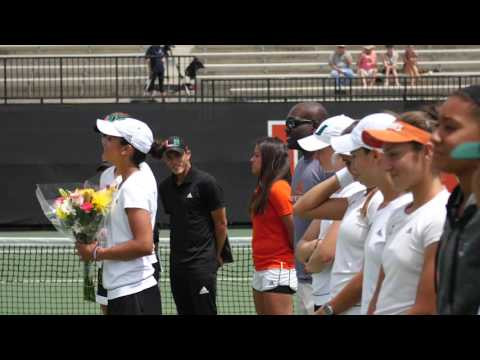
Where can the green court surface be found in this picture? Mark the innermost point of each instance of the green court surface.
(41, 275)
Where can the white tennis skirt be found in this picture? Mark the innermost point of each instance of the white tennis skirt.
(273, 278)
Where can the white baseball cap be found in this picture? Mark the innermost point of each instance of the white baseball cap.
(135, 132)
(328, 129)
(347, 143)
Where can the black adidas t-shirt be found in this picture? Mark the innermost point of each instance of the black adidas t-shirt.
(192, 231)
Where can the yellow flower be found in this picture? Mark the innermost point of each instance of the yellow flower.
(60, 213)
(87, 194)
(102, 199)
(65, 194)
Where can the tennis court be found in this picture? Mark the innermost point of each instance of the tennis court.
(41, 275)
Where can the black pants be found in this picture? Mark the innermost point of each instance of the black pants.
(194, 291)
(160, 74)
(146, 302)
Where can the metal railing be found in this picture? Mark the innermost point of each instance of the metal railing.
(325, 89)
(124, 77)
(106, 77)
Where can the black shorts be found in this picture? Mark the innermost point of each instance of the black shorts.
(146, 302)
(316, 308)
(194, 291)
(281, 290)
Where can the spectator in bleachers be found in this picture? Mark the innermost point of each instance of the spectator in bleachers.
(155, 56)
(367, 65)
(390, 60)
(410, 66)
(302, 120)
(274, 279)
(341, 63)
(405, 284)
(458, 260)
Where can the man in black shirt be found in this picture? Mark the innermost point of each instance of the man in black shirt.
(198, 230)
(154, 56)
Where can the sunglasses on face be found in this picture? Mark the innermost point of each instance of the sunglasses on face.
(293, 122)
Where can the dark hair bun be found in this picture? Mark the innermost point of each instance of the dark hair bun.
(157, 149)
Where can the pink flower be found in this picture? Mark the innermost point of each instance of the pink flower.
(59, 201)
(87, 207)
(77, 199)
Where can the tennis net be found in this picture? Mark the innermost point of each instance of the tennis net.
(46, 278)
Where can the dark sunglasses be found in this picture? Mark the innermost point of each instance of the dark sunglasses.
(292, 122)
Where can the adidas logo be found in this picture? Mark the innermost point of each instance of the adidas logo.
(379, 232)
(409, 231)
(204, 291)
(189, 196)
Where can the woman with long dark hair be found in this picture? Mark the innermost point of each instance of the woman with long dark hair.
(274, 280)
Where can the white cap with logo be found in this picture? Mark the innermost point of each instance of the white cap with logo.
(327, 130)
(135, 132)
(347, 143)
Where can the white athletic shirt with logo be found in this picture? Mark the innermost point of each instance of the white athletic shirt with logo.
(108, 179)
(374, 245)
(407, 237)
(350, 243)
(122, 278)
(321, 280)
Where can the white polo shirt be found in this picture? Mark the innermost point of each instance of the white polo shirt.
(350, 243)
(122, 278)
(374, 245)
(407, 237)
(321, 280)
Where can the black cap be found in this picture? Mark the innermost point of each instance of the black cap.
(175, 143)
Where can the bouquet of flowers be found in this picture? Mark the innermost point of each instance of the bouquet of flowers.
(80, 214)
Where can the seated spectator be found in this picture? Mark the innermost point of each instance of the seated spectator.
(390, 60)
(367, 65)
(341, 63)
(410, 66)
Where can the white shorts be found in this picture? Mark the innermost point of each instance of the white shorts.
(273, 278)
(368, 73)
(303, 299)
(354, 310)
(320, 300)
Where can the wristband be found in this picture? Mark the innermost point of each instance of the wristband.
(94, 255)
(344, 177)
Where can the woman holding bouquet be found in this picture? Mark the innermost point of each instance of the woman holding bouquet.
(128, 275)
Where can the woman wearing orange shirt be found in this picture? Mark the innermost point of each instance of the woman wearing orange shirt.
(274, 279)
